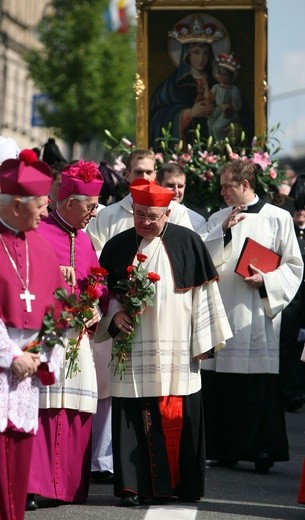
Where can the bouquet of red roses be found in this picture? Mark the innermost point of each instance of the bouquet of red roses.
(72, 311)
(138, 291)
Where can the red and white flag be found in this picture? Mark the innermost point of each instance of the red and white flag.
(121, 13)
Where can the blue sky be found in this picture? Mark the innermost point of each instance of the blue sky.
(286, 71)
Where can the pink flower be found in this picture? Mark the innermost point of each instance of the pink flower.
(211, 159)
(186, 157)
(273, 173)
(159, 157)
(119, 166)
(233, 156)
(262, 159)
(203, 155)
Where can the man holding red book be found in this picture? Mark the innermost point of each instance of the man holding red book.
(241, 387)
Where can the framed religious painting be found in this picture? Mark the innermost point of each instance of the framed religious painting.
(201, 64)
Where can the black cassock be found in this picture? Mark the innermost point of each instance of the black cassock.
(139, 451)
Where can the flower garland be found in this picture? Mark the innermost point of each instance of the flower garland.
(202, 160)
(71, 312)
(137, 293)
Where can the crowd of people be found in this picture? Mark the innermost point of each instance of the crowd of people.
(208, 353)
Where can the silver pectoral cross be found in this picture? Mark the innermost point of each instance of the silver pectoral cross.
(27, 296)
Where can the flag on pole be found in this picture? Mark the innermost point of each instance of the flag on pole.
(120, 14)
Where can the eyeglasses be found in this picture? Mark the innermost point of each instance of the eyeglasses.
(90, 207)
(153, 220)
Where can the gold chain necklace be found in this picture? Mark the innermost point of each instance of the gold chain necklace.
(71, 235)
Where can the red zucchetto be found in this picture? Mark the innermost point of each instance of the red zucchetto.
(148, 193)
(25, 176)
(80, 178)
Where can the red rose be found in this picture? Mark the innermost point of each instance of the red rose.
(130, 269)
(141, 257)
(92, 293)
(99, 271)
(153, 277)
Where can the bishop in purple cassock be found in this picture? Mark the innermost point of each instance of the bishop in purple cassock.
(61, 462)
(29, 276)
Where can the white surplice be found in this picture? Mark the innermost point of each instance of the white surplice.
(180, 326)
(255, 321)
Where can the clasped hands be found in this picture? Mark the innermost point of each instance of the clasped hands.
(69, 274)
(26, 364)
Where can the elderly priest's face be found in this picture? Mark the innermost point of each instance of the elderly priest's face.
(149, 221)
(23, 213)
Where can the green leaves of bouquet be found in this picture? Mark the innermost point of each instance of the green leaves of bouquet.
(72, 312)
(137, 294)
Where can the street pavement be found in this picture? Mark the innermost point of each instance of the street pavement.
(231, 494)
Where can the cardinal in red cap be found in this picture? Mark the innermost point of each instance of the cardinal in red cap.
(29, 275)
(157, 454)
(150, 207)
(148, 193)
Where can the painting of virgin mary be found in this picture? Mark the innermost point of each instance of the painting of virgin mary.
(184, 98)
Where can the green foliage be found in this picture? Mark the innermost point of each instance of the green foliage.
(202, 160)
(86, 70)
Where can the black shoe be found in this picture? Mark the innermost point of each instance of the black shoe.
(102, 477)
(263, 463)
(294, 403)
(31, 503)
(131, 501)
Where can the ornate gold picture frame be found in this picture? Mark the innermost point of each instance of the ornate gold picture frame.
(237, 27)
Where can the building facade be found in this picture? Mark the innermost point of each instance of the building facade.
(18, 19)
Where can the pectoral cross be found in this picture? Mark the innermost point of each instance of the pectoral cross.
(27, 296)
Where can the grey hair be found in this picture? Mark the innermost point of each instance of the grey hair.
(6, 199)
(72, 196)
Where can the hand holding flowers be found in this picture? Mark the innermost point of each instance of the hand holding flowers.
(137, 294)
(72, 312)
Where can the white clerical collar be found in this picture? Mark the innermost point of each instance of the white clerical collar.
(252, 202)
(11, 228)
(70, 228)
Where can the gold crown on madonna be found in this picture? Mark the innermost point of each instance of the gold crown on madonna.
(197, 31)
(228, 61)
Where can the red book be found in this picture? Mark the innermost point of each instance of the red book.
(260, 256)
